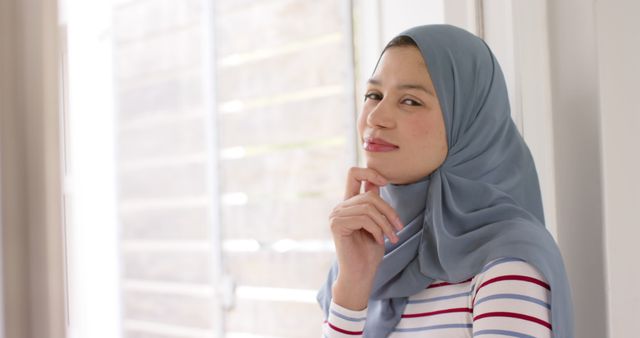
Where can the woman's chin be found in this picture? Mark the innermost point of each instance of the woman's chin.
(392, 174)
(382, 169)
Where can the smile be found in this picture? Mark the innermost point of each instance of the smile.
(378, 145)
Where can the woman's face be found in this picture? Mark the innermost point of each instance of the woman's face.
(401, 109)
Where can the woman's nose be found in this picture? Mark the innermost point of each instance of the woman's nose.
(381, 116)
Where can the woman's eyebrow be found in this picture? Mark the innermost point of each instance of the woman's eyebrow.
(405, 86)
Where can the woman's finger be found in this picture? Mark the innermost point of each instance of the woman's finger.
(373, 213)
(375, 231)
(346, 225)
(356, 176)
(383, 207)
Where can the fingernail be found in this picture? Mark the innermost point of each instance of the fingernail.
(399, 223)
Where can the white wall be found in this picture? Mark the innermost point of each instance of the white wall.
(594, 48)
(574, 74)
(617, 29)
(412, 13)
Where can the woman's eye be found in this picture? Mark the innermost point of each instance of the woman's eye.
(372, 96)
(411, 102)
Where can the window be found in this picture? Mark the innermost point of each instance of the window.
(206, 144)
(284, 111)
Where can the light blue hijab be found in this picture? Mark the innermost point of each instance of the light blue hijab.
(482, 203)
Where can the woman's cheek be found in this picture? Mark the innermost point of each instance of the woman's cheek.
(419, 129)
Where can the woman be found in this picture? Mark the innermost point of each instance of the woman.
(452, 186)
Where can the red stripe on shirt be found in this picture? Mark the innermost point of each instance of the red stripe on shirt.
(516, 277)
(354, 333)
(425, 314)
(435, 285)
(513, 315)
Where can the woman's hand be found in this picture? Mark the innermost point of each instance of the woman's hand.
(358, 226)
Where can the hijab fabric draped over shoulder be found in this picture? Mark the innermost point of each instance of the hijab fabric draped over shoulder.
(482, 203)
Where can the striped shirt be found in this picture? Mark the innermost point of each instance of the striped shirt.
(508, 298)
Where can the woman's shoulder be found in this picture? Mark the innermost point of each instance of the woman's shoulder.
(511, 293)
(509, 266)
(503, 272)
(509, 273)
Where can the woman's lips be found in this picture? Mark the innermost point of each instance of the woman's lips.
(378, 145)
